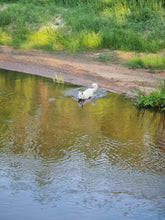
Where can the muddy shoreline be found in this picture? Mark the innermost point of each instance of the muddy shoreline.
(79, 70)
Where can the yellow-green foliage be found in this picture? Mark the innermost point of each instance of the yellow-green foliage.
(46, 38)
(5, 38)
(58, 78)
(91, 40)
(150, 61)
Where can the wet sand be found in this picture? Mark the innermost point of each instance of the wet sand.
(79, 70)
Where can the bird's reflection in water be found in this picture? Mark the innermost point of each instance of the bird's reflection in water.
(82, 102)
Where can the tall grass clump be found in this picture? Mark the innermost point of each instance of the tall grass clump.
(148, 62)
(155, 100)
(46, 38)
(119, 38)
(5, 38)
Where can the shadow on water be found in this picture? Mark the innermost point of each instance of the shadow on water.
(58, 160)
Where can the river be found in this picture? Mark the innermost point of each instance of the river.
(59, 160)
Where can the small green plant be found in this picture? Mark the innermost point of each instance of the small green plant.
(155, 99)
(58, 78)
(149, 62)
(104, 57)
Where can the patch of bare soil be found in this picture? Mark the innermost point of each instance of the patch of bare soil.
(82, 70)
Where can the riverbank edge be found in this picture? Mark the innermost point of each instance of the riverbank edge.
(79, 70)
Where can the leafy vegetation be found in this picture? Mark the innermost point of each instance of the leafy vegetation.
(58, 78)
(155, 99)
(148, 62)
(132, 25)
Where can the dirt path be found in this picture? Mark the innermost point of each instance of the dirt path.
(82, 71)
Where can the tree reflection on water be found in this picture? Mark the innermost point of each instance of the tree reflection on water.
(100, 156)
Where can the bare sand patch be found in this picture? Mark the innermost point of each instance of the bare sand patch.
(82, 70)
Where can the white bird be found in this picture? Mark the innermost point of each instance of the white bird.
(88, 93)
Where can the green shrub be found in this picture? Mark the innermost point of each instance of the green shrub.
(155, 99)
(149, 62)
(127, 40)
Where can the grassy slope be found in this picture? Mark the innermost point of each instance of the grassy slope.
(78, 25)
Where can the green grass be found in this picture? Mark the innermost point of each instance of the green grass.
(149, 62)
(155, 100)
(83, 24)
(5, 38)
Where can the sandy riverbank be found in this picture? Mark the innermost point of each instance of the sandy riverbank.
(79, 70)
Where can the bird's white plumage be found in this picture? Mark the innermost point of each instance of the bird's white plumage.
(88, 93)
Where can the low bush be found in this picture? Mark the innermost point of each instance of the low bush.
(149, 62)
(155, 100)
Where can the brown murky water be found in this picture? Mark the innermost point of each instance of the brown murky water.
(61, 161)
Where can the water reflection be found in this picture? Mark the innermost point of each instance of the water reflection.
(97, 162)
(81, 103)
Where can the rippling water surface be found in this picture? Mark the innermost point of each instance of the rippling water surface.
(61, 161)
